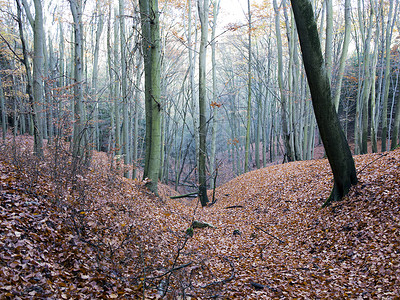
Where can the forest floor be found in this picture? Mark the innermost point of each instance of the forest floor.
(92, 234)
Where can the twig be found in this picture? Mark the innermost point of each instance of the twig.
(172, 270)
(382, 155)
(223, 280)
(259, 228)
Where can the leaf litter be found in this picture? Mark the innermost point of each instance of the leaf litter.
(107, 237)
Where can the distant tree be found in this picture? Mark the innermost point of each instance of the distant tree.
(332, 135)
(248, 112)
(3, 112)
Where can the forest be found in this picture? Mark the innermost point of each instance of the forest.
(183, 149)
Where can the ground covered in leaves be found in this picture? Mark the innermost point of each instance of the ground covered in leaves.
(92, 234)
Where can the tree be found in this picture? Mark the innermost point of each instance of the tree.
(203, 15)
(248, 115)
(79, 134)
(37, 77)
(214, 104)
(3, 112)
(152, 64)
(332, 135)
(124, 88)
(285, 129)
(343, 56)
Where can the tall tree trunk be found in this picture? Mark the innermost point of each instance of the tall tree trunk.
(396, 121)
(146, 46)
(38, 140)
(149, 11)
(192, 84)
(136, 116)
(3, 112)
(214, 91)
(99, 30)
(343, 56)
(79, 134)
(329, 37)
(389, 30)
(248, 111)
(125, 136)
(333, 138)
(284, 110)
(37, 78)
(203, 14)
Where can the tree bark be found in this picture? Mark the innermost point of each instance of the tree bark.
(333, 138)
(3, 112)
(151, 32)
(248, 111)
(285, 129)
(79, 134)
(203, 14)
(343, 56)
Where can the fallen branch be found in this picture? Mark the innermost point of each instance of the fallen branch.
(171, 270)
(234, 206)
(190, 195)
(259, 228)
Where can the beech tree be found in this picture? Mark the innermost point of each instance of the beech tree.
(152, 63)
(203, 14)
(79, 139)
(332, 135)
(37, 76)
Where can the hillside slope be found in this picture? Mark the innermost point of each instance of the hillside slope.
(102, 236)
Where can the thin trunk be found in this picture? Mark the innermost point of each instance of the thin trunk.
(284, 112)
(203, 14)
(248, 111)
(343, 56)
(3, 112)
(214, 91)
(125, 131)
(78, 139)
(389, 31)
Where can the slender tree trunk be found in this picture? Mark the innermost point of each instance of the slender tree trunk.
(203, 14)
(329, 37)
(117, 90)
(3, 112)
(37, 79)
(343, 56)
(136, 117)
(333, 138)
(389, 30)
(78, 139)
(192, 66)
(396, 121)
(248, 111)
(99, 30)
(284, 110)
(214, 91)
(146, 46)
(38, 142)
(125, 136)
(149, 11)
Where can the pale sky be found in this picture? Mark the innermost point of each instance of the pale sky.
(232, 11)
